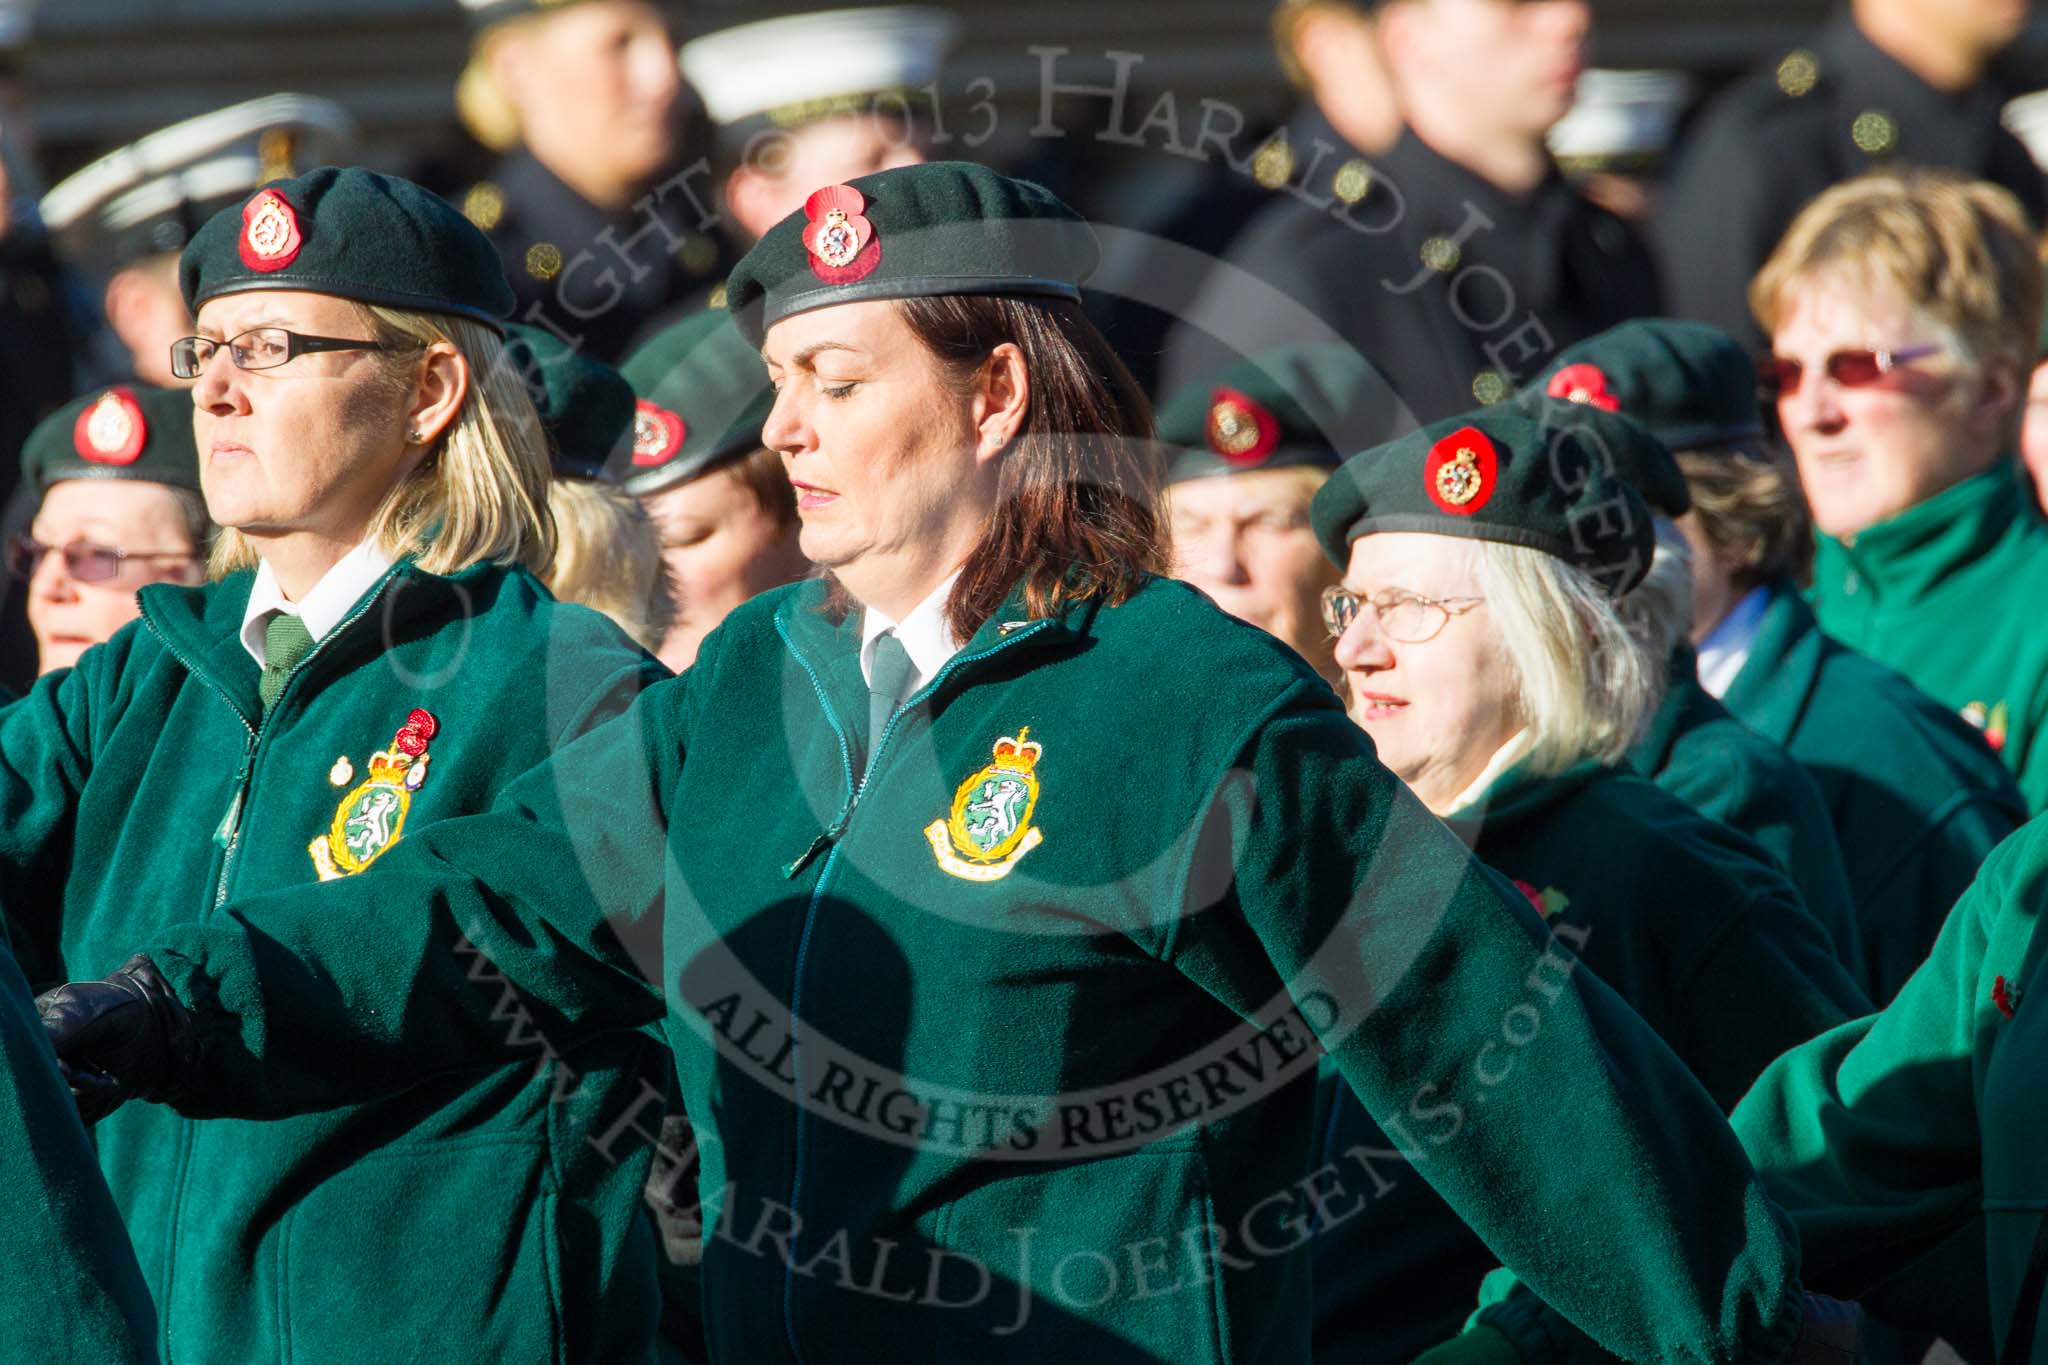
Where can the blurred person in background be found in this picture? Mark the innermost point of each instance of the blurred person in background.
(1886, 82)
(1458, 259)
(1904, 309)
(117, 475)
(720, 499)
(809, 100)
(1246, 453)
(125, 217)
(607, 550)
(599, 219)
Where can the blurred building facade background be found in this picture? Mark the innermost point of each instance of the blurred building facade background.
(101, 72)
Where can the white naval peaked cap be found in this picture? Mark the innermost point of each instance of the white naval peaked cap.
(17, 22)
(215, 156)
(2027, 118)
(773, 64)
(1621, 116)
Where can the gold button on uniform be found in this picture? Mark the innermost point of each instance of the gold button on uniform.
(1798, 73)
(1273, 164)
(1875, 132)
(1352, 181)
(543, 260)
(1441, 254)
(484, 205)
(698, 254)
(1489, 387)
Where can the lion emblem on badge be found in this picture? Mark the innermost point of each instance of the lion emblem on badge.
(990, 827)
(371, 818)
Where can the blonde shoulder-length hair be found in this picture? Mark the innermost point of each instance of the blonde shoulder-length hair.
(1586, 684)
(480, 496)
(609, 558)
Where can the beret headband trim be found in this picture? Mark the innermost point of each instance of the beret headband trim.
(385, 298)
(924, 287)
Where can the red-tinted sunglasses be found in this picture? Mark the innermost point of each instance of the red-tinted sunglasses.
(1780, 375)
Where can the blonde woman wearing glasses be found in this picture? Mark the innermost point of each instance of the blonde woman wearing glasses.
(1477, 627)
(1903, 310)
(376, 656)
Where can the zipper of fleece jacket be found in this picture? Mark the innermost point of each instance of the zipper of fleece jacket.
(831, 840)
(228, 836)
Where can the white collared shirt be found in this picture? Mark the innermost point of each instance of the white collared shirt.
(323, 608)
(1507, 756)
(924, 633)
(1726, 648)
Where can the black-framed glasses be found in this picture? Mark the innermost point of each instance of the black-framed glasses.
(85, 560)
(265, 348)
(1406, 617)
(1781, 375)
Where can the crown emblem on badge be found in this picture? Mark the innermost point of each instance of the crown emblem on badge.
(1018, 754)
(1240, 429)
(111, 429)
(1460, 473)
(657, 433)
(270, 232)
(1585, 384)
(840, 239)
(371, 817)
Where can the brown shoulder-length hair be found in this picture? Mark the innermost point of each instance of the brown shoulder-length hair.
(1079, 513)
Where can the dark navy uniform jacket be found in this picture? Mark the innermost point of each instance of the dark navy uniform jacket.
(1768, 146)
(1456, 290)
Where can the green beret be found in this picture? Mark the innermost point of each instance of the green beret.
(1626, 447)
(1496, 474)
(704, 395)
(356, 235)
(1292, 407)
(945, 227)
(1692, 385)
(130, 431)
(585, 406)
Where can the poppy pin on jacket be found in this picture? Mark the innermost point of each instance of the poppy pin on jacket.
(371, 817)
(1240, 429)
(111, 430)
(270, 232)
(1460, 473)
(990, 827)
(839, 237)
(2005, 996)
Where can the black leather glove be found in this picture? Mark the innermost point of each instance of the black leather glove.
(1831, 1333)
(123, 1038)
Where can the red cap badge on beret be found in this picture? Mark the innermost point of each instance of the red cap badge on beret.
(1241, 430)
(111, 430)
(1460, 472)
(270, 232)
(1584, 384)
(841, 240)
(657, 433)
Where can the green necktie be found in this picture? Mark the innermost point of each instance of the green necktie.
(889, 676)
(285, 642)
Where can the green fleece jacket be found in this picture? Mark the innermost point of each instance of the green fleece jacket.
(999, 1027)
(70, 1291)
(467, 1217)
(1885, 1135)
(1697, 751)
(1916, 797)
(1946, 593)
(1690, 922)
